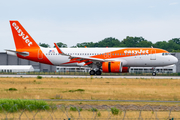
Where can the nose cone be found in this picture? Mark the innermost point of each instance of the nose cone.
(174, 60)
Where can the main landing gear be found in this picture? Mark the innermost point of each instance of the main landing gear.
(154, 74)
(93, 72)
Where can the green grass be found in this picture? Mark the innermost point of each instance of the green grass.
(15, 105)
(75, 109)
(114, 111)
(94, 109)
(39, 77)
(78, 90)
(12, 89)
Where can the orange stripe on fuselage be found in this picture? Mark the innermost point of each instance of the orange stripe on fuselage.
(127, 52)
(35, 55)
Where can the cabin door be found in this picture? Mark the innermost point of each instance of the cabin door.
(153, 55)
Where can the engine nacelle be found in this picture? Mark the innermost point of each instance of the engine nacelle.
(125, 69)
(113, 67)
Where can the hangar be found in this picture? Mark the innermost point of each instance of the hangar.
(6, 59)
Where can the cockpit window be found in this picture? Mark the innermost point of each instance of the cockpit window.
(165, 54)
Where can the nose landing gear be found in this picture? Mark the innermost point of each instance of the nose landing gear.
(154, 71)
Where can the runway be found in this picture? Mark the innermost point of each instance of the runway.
(88, 76)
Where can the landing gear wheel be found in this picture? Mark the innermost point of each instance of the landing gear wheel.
(154, 74)
(98, 72)
(92, 72)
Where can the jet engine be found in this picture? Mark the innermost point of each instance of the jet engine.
(113, 67)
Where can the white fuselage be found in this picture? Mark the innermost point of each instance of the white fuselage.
(145, 60)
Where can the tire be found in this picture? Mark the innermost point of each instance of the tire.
(154, 74)
(98, 72)
(92, 72)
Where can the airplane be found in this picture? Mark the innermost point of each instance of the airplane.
(107, 60)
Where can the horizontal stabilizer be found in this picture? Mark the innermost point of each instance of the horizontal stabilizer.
(20, 53)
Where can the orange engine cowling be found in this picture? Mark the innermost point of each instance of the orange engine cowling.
(125, 69)
(114, 67)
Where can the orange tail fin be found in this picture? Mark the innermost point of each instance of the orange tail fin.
(22, 38)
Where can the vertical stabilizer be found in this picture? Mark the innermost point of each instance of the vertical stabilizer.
(22, 38)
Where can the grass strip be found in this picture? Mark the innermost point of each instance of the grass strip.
(15, 105)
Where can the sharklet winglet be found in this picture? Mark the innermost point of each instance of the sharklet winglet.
(59, 50)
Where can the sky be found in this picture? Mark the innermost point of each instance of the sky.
(77, 21)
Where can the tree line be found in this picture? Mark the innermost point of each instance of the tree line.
(172, 45)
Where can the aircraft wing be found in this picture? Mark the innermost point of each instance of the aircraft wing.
(79, 59)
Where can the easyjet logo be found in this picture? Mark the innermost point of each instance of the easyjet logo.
(24, 37)
(137, 51)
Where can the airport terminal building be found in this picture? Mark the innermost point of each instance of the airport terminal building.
(6, 59)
